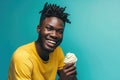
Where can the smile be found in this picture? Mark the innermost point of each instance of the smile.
(51, 41)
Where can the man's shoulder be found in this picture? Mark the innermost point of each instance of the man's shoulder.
(22, 51)
(27, 45)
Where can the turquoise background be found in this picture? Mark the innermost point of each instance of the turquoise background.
(94, 35)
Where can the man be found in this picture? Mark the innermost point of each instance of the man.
(42, 59)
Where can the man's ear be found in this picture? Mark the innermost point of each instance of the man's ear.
(38, 28)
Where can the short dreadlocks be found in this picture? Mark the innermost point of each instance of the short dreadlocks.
(52, 10)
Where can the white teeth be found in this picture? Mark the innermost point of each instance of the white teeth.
(51, 41)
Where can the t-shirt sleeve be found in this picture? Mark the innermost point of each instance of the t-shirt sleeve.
(21, 66)
(61, 59)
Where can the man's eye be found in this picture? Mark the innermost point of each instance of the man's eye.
(60, 31)
(49, 28)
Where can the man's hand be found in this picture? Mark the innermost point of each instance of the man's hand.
(68, 72)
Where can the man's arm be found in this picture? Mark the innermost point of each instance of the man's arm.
(68, 72)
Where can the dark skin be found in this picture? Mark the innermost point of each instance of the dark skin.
(68, 72)
(50, 36)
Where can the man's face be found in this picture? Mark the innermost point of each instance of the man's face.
(50, 33)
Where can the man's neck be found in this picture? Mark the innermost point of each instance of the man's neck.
(42, 53)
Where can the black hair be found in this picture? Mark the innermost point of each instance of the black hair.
(52, 10)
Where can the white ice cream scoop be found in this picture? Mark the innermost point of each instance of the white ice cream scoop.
(70, 58)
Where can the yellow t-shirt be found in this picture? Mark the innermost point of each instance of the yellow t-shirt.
(27, 65)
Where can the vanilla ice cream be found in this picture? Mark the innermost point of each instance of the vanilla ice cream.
(70, 58)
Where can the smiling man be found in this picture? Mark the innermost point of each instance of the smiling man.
(44, 58)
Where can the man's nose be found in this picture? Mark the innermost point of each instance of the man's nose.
(54, 34)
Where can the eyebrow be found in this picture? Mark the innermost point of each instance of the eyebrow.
(53, 27)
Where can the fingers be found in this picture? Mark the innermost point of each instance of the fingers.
(70, 69)
(71, 73)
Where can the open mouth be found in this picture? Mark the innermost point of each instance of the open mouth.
(51, 43)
